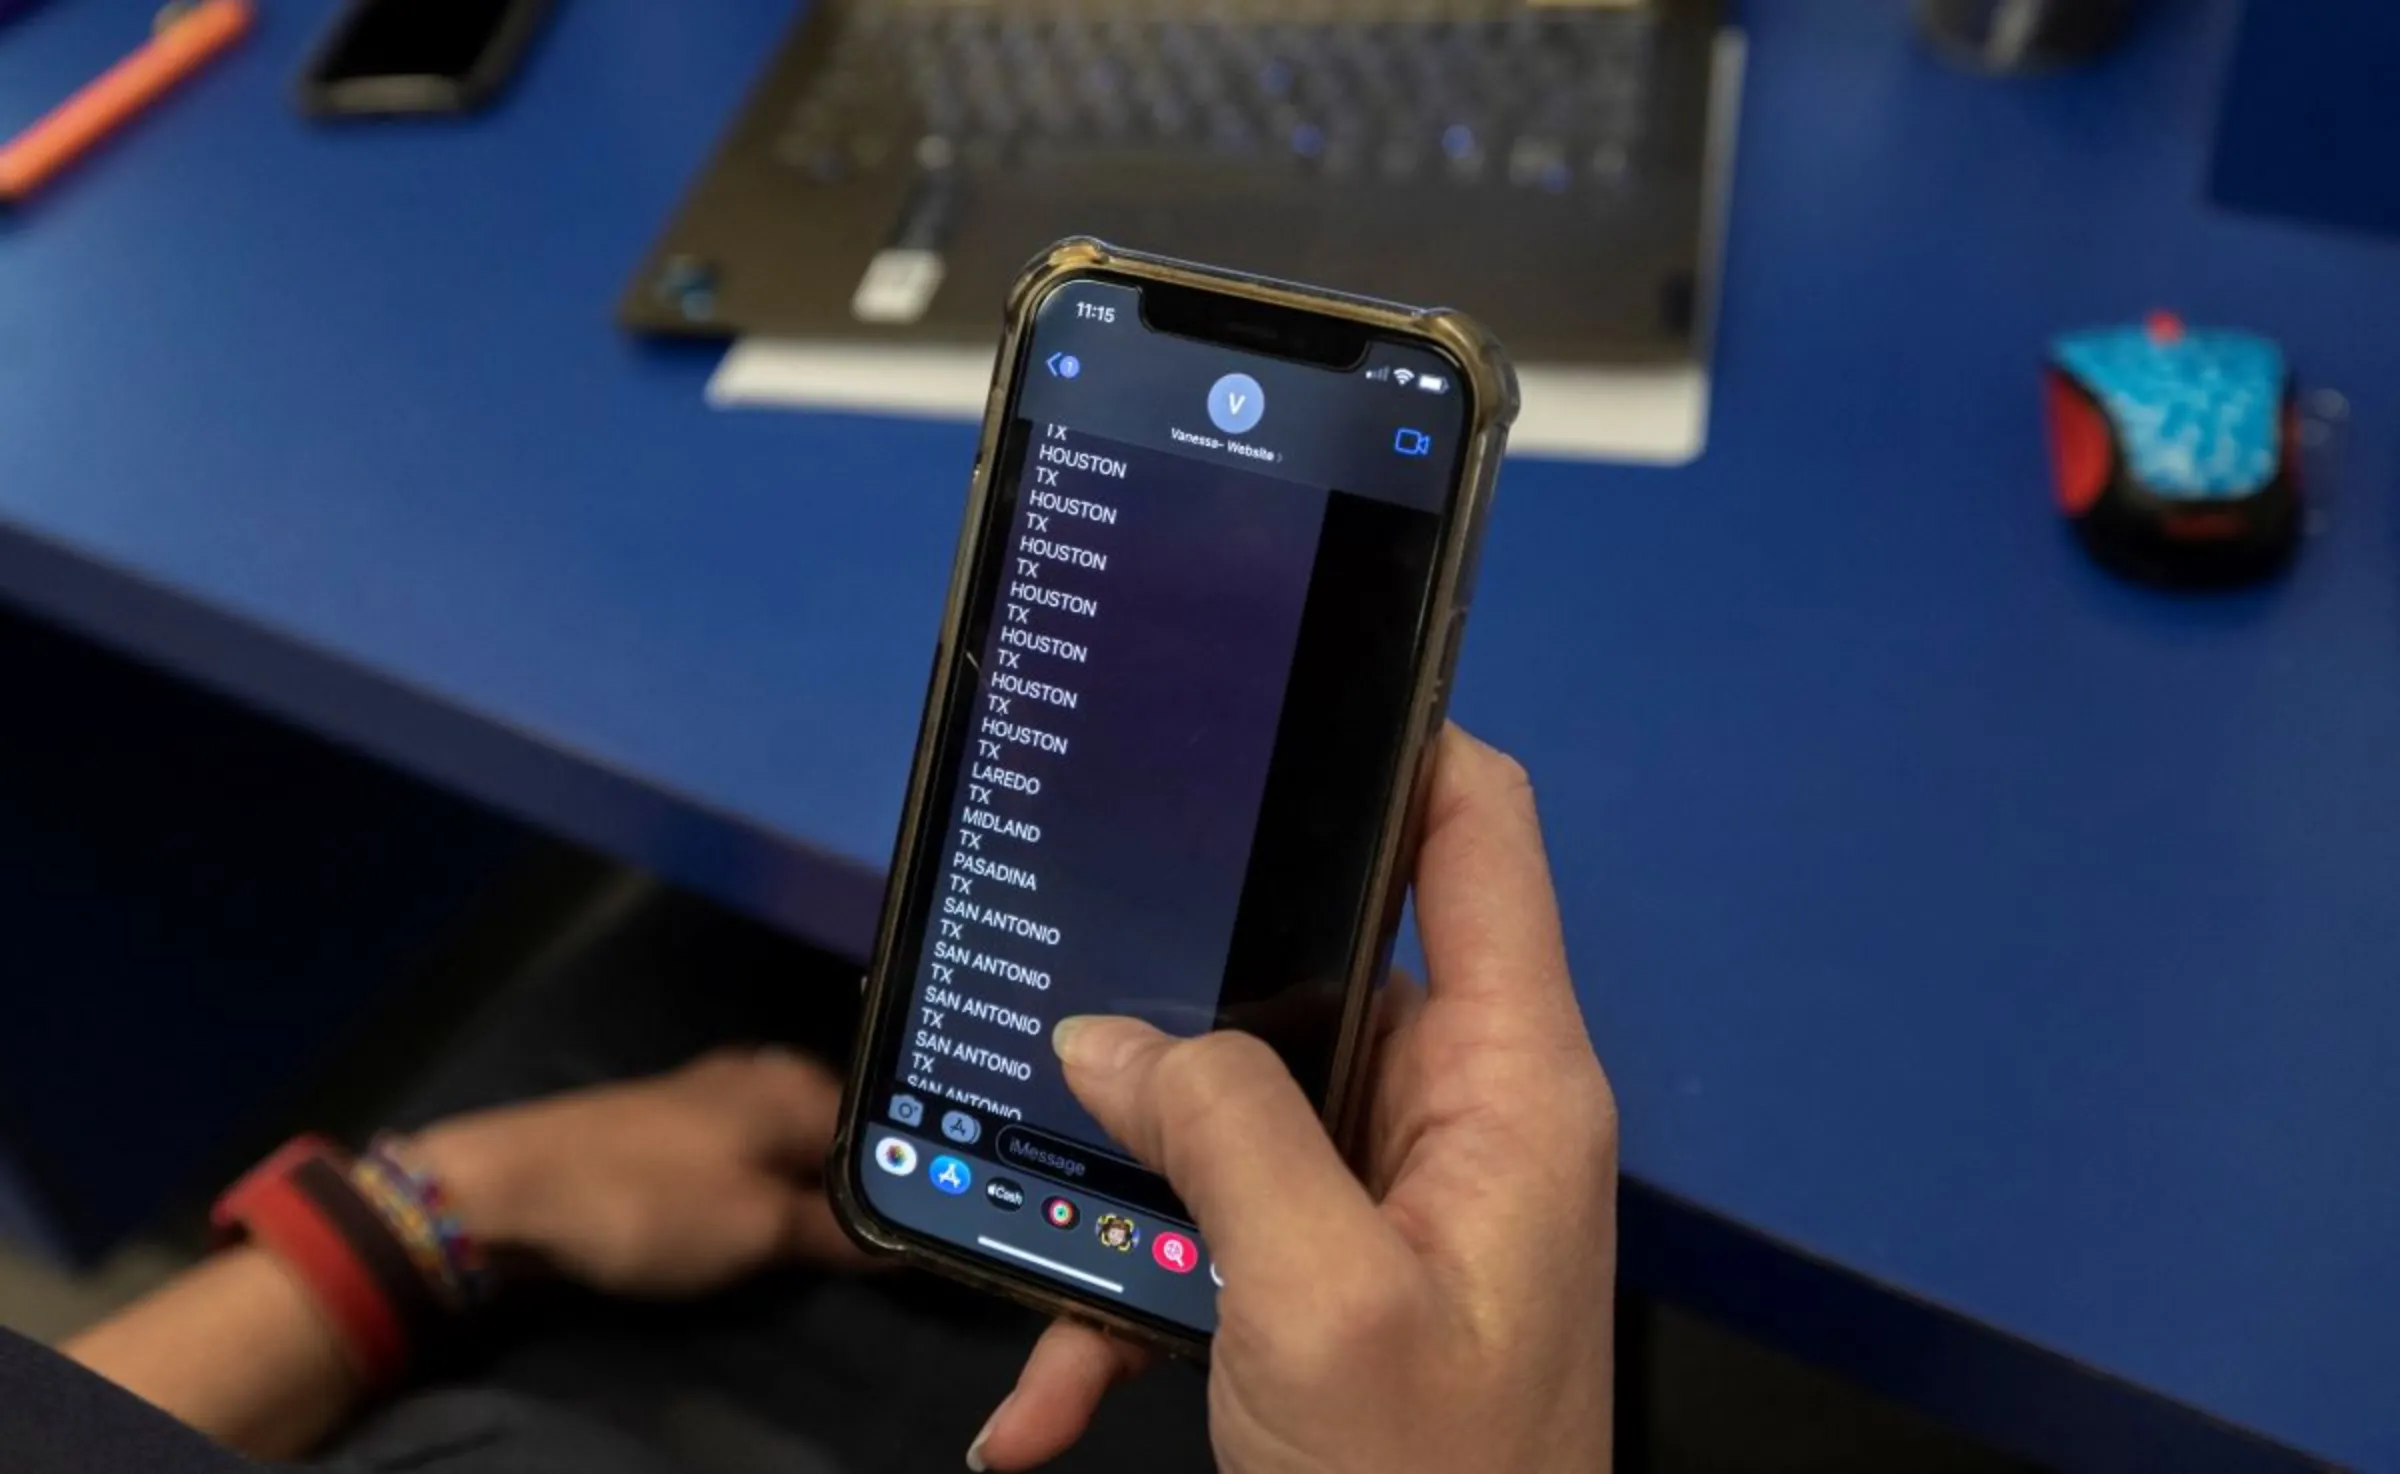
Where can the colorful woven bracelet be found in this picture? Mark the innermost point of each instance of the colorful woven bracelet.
(423, 1213)
(396, 1202)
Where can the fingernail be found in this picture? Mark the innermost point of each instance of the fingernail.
(1095, 1041)
(1100, 1042)
(975, 1449)
(1064, 1033)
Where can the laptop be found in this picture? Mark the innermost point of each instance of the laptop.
(1550, 168)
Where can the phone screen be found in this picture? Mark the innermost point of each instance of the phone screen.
(414, 38)
(1189, 648)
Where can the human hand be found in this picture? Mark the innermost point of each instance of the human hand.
(1453, 1309)
(659, 1188)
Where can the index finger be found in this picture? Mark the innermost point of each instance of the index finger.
(1485, 907)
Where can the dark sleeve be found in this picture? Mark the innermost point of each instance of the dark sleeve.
(57, 1418)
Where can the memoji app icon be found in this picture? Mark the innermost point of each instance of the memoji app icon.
(951, 1175)
(1060, 1213)
(895, 1156)
(1118, 1233)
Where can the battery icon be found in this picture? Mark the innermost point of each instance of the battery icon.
(1433, 383)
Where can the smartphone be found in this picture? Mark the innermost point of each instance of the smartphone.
(418, 56)
(1220, 542)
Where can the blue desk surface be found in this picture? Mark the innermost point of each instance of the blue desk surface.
(2025, 941)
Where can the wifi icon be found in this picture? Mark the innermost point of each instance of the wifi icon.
(1402, 376)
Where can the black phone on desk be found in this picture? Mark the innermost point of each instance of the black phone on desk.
(1220, 542)
(399, 57)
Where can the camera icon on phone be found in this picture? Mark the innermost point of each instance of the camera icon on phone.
(907, 1110)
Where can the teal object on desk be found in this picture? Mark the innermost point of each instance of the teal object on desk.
(2198, 415)
(2174, 451)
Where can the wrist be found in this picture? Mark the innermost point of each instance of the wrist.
(304, 1205)
(490, 1184)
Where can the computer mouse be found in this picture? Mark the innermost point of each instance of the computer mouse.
(2177, 450)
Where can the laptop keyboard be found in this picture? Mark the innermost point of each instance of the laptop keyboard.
(1468, 92)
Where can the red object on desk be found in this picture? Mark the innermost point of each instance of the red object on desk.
(112, 99)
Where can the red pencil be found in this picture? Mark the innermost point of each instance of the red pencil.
(106, 103)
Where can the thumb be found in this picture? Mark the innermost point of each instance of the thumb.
(1229, 1128)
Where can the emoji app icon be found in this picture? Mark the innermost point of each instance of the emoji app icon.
(1117, 1232)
